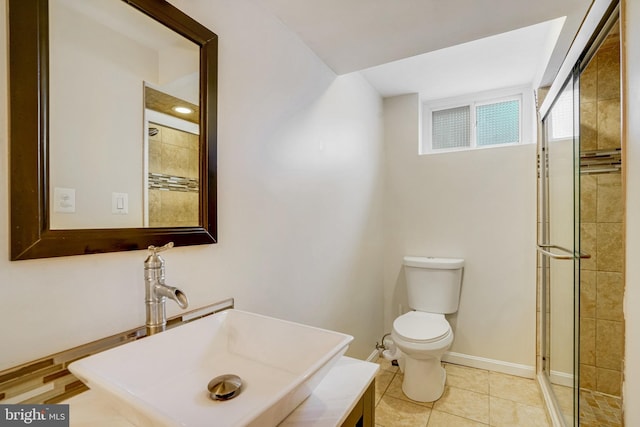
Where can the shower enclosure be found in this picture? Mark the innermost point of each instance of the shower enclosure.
(580, 248)
(559, 252)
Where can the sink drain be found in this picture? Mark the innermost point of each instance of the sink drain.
(224, 387)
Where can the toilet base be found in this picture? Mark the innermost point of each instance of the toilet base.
(423, 379)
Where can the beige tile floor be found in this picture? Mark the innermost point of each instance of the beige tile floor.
(472, 397)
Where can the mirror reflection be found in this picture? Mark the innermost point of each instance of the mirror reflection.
(171, 161)
(109, 60)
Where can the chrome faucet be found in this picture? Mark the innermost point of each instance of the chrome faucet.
(157, 292)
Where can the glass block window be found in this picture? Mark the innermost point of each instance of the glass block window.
(451, 128)
(498, 123)
(486, 120)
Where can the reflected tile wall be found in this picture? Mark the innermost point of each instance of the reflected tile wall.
(601, 210)
(173, 153)
(173, 208)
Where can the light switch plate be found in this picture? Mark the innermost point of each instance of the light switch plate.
(120, 203)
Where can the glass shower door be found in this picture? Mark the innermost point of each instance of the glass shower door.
(559, 248)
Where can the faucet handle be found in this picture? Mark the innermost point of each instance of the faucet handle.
(155, 249)
(154, 260)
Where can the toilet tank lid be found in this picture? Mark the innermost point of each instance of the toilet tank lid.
(433, 262)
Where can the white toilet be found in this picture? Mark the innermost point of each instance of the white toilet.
(423, 335)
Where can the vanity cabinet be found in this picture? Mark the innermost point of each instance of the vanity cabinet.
(363, 414)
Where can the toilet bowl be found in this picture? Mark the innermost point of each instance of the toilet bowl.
(422, 339)
(423, 335)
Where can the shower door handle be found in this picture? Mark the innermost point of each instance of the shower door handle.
(544, 249)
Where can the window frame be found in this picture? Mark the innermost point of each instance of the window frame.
(473, 101)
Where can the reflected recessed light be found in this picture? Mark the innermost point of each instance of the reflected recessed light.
(183, 110)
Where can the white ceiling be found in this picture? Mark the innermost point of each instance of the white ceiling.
(512, 59)
(352, 35)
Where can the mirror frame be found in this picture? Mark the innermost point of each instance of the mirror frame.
(31, 235)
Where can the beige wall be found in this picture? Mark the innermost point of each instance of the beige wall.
(299, 206)
(479, 205)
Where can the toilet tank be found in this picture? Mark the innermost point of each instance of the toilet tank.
(433, 284)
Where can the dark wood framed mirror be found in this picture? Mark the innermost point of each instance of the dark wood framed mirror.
(32, 235)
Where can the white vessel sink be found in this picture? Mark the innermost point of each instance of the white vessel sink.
(162, 380)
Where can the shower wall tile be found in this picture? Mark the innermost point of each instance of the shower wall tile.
(588, 126)
(609, 124)
(176, 209)
(609, 73)
(155, 156)
(609, 344)
(608, 381)
(155, 207)
(589, 83)
(601, 210)
(174, 152)
(588, 198)
(179, 138)
(610, 294)
(610, 249)
(155, 149)
(588, 341)
(609, 198)
(177, 161)
(183, 205)
(588, 378)
(172, 209)
(588, 244)
(588, 292)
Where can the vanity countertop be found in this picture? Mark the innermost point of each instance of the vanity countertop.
(328, 406)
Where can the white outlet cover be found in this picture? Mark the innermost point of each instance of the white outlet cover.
(64, 200)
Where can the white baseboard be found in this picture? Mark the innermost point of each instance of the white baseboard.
(561, 378)
(490, 364)
(519, 370)
(373, 356)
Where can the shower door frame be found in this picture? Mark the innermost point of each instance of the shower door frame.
(601, 14)
(548, 251)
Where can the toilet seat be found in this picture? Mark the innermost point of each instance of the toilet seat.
(421, 327)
